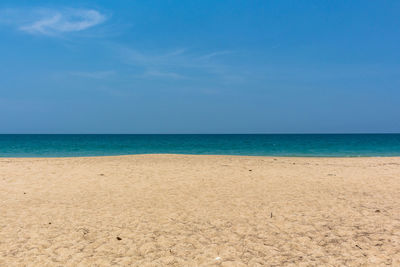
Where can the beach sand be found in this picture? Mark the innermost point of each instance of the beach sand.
(181, 210)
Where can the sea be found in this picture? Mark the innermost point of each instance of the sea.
(287, 145)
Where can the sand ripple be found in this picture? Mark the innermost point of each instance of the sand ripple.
(171, 210)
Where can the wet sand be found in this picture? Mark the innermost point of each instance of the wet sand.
(180, 210)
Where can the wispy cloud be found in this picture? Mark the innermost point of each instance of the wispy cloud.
(52, 21)
(215, 54)
(178, 64)
(161, 74)
(94, 74)
(174, 58)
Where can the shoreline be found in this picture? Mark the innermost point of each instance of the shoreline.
(210, 155)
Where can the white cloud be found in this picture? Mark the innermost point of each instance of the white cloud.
(51, 21)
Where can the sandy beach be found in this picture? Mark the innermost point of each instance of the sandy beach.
(181, 210)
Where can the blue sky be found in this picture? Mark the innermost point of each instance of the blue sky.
(199, 66)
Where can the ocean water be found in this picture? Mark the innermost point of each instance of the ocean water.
(317, 145)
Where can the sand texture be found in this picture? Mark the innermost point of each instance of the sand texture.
(178, 210)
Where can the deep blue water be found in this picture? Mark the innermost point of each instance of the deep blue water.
(330, 145)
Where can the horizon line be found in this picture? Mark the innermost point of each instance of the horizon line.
(283, 133)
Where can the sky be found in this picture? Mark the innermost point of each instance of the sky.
(199, 66)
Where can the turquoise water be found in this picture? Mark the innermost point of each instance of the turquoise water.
(329, 145)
